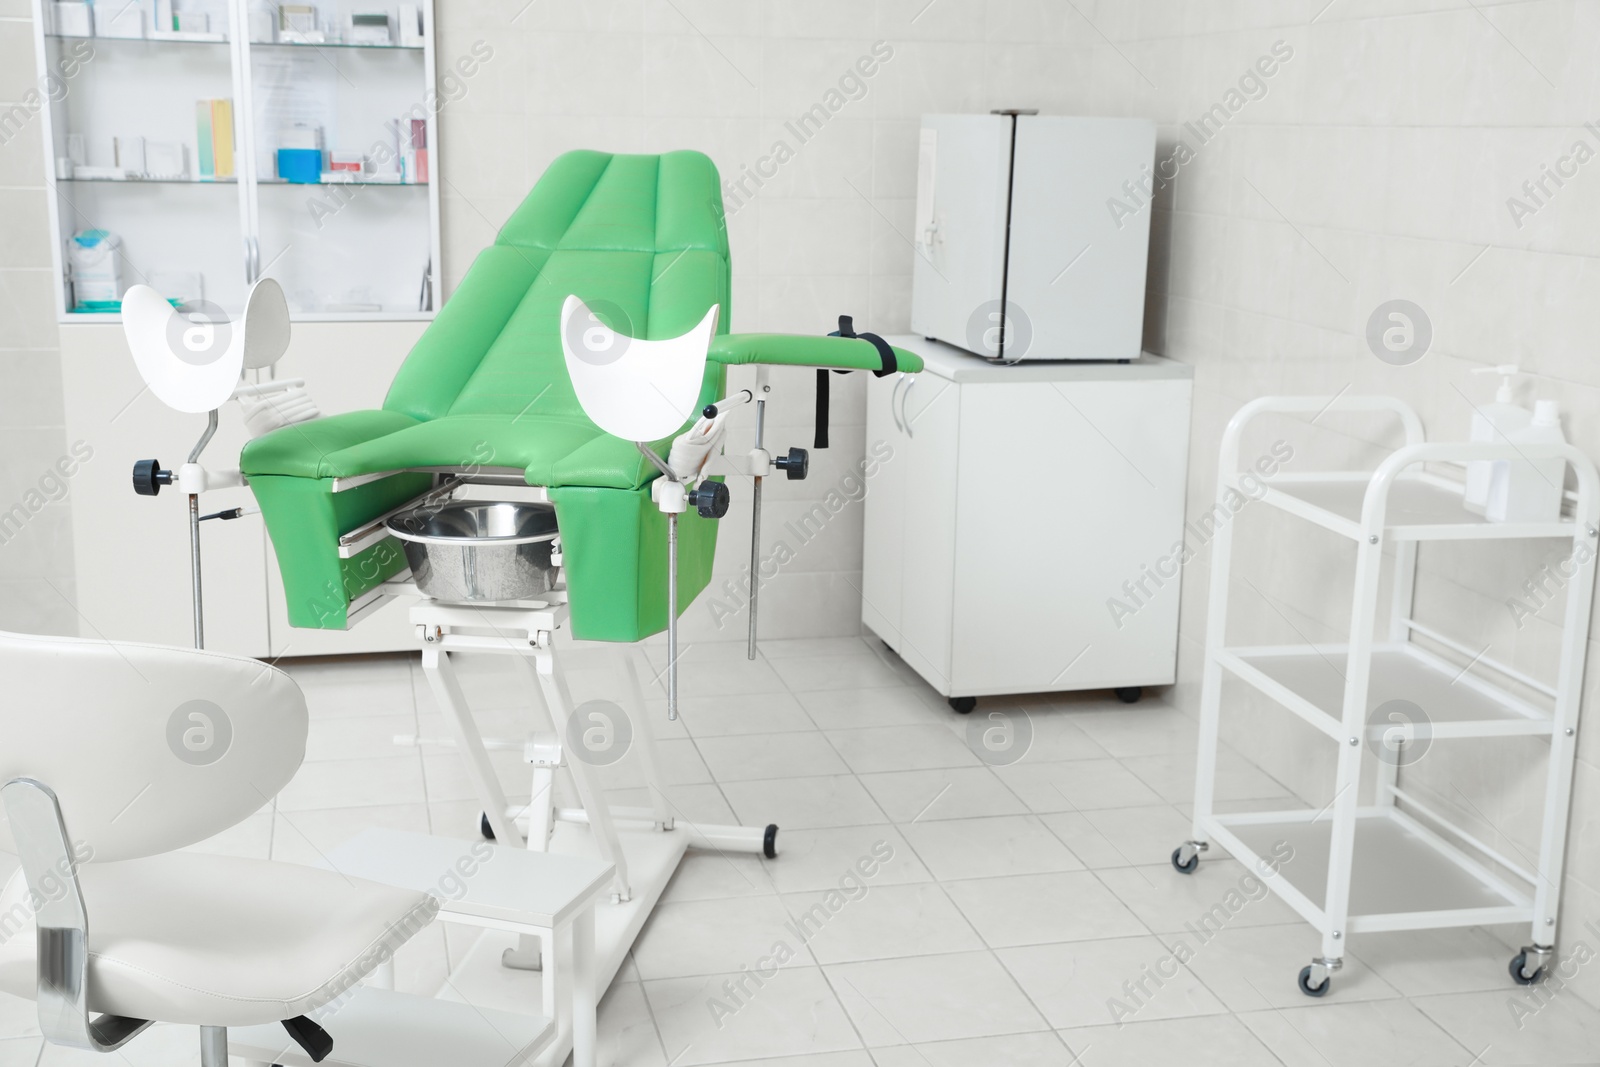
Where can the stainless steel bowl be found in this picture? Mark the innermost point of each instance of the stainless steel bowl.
(473, 551)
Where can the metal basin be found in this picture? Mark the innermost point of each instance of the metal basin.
(473, 550)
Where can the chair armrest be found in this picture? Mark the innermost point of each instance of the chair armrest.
(804, 350)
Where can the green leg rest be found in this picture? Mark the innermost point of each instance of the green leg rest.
(305, 518)
(614, 550)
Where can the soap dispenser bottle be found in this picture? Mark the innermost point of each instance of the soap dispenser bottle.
(1530, 490)
(1492, 423)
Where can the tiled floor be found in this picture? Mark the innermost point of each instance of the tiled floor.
(1018, 905)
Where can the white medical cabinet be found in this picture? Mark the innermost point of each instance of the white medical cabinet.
(1022, 521)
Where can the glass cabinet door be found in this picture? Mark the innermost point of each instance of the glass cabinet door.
(341, 152)
(131, 104)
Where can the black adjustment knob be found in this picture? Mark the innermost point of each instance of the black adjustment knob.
(710, 500)
(148, 477)
(797, 464)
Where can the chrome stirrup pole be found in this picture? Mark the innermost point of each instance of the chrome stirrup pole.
(194, 567)
(755, 530)
(672, 617)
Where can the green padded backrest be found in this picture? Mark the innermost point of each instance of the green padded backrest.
(640, 239)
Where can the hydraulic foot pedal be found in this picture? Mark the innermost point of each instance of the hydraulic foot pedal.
(317, 1042)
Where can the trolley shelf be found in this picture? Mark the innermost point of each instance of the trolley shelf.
(1422, 507)
(1403, 877)
(1309, 680)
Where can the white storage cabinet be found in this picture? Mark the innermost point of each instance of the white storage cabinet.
(1009, 506)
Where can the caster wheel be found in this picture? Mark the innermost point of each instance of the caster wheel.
(1181, 867)
(484, 828)
(1310, 990)
(1519, 961)
(1129, 694)
(769, 842)
(964, 704)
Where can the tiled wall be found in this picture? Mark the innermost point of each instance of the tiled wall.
(36, 581)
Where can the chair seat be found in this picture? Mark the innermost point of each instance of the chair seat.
(217, 940)
(552, 450)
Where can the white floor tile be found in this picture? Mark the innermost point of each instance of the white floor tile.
(357, 737)
(932, 998)
(748, 758)
(1124, 837)
(902, 748)
(1543, 1028)
(1391, 1032)
(975, 848)
(1031, 909)
(306, 837)
(863, 670)
(387, 780)
(1204, 1039)
(1013, 1050)
(20, 1052)
(1076, 785)
(1172, 775)
(1422, 962)
(1093, 983)
(1169, 902)
(1144, 729)
(823, 859)
(942, 793)
(805, 803)
(851, 709)
(720, 716)
(1254, 967)
(719, 875)
(872, 922)
(627, 1034)
(704, 937)
(707, 1020)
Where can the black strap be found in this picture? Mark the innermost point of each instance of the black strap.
(887, 364)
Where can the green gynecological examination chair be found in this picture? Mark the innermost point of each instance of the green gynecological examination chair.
(641, 240)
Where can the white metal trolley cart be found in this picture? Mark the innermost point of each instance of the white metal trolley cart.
(1381, 866)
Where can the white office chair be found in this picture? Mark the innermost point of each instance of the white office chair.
(115, 755)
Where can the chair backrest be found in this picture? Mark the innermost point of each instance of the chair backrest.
(148, 749)
(640, 239)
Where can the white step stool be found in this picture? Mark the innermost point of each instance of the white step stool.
(544, 894)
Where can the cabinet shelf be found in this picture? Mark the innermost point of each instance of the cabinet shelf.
(202, 41)
(149, 181)
(338, 44)
(341, 181)
(1309, 680)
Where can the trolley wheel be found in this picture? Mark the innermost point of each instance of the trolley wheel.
(769, 842)
(483, 826)
(1519, 961)
(964, 704)
(1129, 694)
(1310, 990)
(1181, 867)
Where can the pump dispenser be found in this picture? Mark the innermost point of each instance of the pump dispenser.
(1530, 490)
(1492, 423)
